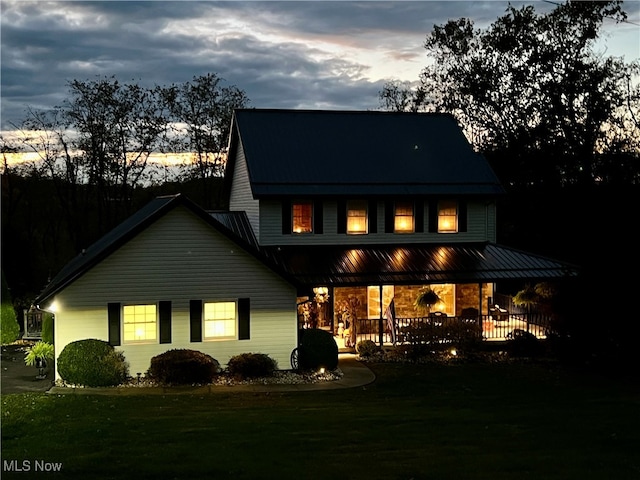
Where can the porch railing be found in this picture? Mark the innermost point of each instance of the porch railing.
(488, 327)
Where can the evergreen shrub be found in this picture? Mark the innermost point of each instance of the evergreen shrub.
(367, 348)
(251, 365)
(183, 367)
(92, 363)
(317, 350)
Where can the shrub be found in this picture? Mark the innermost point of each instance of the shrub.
(366, 348)
(92, 363)
(47, 327)
(251, 365)
(317, 350)
(9, 328)
(183, 367)
(521, 343)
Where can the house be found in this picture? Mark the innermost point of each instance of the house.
(331, 215)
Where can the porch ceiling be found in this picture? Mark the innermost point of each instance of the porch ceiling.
(407, 264)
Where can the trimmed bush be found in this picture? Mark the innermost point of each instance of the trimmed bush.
(251, 365)
(317, 350)
(183, 367)
(92, 363)
(367, 348)
(47, 327)
(9, 328)
(521, 343)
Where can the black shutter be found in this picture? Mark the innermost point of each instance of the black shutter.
(433, 216)
(318, 217)
(389, 215)
(372, 211)
(164, 315)
(113, 313)
(244, 316)
(342, 216)
(195, 320)
(462, 216)
(419, 216)
(287, 221)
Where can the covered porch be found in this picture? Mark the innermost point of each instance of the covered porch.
(348, 291)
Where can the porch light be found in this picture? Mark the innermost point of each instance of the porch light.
(453, 352)
(321, 371)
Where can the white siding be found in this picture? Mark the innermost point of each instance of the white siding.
(241, 197)
(177, 259)
(480, 228)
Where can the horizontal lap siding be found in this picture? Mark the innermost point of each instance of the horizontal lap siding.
(177, 259)
(241, 198)
(480, 228)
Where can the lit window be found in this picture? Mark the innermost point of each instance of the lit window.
(357, 217)
(220, 321)
(403, 217)
(373, 299)
(302, 217)
(140, 323)
(447, 217)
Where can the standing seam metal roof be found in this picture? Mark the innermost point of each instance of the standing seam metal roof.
(324, 152)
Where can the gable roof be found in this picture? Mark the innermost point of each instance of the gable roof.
(229, 225)
(324, 152)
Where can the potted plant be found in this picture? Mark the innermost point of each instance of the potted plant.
(427, 297)
(38, 355)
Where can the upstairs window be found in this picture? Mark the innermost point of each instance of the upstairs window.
(447, 216)
(220, 320)
(140, 323)
(302, 217)
(403, 218)
(356, 217)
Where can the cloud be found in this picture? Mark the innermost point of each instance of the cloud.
(290, 54)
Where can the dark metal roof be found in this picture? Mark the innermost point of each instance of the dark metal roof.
(410, 264)
(358, 153)
(238, 223)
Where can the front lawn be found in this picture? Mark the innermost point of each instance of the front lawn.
(503, 421)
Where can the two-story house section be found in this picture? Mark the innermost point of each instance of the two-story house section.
(363, 207)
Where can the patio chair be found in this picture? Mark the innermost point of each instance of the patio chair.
(499, 314)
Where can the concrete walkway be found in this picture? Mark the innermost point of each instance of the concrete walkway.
(355, 374)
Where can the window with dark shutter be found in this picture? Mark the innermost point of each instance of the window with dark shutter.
(195, 320)
(244, 318)
(419, 216)
(462, 216)
(373, 216)
(287, 225)
(318, 217)
(433, 216)
(388, 216)
(164, 315)
(113, 313)
(342, 216)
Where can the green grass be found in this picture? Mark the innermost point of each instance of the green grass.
(415, 422)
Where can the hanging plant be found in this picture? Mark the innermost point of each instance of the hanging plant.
(427, 297)
(526, 297)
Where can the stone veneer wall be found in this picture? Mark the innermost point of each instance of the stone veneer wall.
(404, 295)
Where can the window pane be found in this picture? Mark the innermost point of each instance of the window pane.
(139, 323)
(302, 217)
(220, 320)
(357, 217)
(373, 299)
(403, 221)
(447, 217)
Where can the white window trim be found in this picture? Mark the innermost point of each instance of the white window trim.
(227, 338)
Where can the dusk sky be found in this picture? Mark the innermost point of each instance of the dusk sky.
(333, 55)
